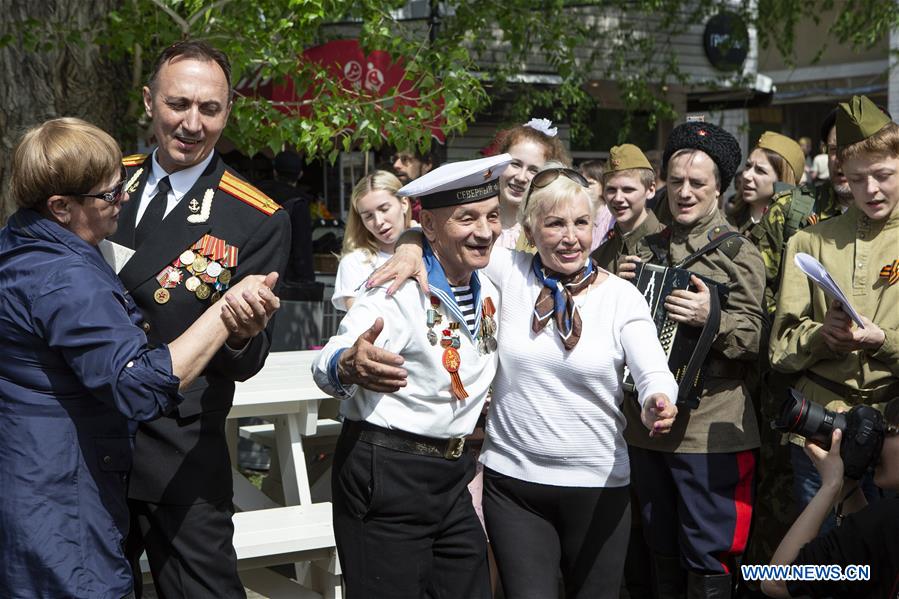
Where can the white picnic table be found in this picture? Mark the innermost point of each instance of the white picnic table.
(300, 531)
(284, 394)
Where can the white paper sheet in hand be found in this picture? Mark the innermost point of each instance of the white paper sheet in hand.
(819, 275)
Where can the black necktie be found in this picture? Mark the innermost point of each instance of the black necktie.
(154, 213)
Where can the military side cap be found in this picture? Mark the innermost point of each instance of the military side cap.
(458, 182)
(787, 148)
(859, 119)
(626, 157)
(720, 145)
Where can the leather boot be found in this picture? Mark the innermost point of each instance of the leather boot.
(669, 579)
(709, 586)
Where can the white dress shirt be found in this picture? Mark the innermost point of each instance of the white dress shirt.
(181, 181)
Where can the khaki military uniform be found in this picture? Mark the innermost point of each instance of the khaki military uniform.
(854, 250)
(620, 244)
(725, 420)
(741, 220)
(769, 235)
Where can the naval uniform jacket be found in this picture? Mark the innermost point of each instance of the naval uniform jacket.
(183, 459)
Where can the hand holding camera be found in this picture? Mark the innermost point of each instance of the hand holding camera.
(861, 432)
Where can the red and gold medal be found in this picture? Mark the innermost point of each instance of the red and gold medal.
(451, 362)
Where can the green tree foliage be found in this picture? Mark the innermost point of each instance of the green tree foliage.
(458, 54)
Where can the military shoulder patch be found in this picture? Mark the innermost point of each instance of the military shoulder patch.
(247, 194)
(134, 159)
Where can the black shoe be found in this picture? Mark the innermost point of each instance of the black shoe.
(709, 586)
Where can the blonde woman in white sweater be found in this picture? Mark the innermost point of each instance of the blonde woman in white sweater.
(557, 469)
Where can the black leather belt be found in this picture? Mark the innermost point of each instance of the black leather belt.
(866, 396)
(449, 449)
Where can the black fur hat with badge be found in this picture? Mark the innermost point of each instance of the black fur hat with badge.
(720, 145)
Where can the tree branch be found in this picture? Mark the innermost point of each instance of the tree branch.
(215, 6)
(179, 20)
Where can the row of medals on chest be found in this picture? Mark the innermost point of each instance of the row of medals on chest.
(449, 338)
(208, 278)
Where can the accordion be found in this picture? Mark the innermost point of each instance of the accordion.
(686, 347)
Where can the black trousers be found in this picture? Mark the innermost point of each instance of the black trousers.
(405, 525)
(190, 549)
(537, 529)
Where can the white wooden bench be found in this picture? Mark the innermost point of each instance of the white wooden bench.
(285, 535)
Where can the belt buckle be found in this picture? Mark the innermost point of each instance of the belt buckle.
(454, 448)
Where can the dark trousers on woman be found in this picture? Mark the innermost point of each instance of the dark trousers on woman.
(405, 525)
(536, 530)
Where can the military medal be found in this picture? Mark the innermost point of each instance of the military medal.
(455, 342)
(170, 277)
(433, 317)
(203, 291)
(890, 272)
(225, 277)
(161, 295)
(186, 258)
(488, 326)
(213, 269)
(215, 297)
(451, 362)
(192, 284)
(199, 264)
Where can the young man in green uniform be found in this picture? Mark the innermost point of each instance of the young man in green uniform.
(628, 183)
(841, 363)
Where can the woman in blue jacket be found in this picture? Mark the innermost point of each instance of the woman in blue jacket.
(76, 368)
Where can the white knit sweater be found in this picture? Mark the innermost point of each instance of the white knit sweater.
(555, 418)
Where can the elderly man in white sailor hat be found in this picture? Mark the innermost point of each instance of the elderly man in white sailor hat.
(413, 370)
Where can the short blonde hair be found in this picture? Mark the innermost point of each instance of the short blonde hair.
(60, 156)
(541, 200)
(883, 143)
(356, 236)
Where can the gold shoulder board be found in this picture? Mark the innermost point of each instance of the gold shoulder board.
(134, 159)
(247, 194)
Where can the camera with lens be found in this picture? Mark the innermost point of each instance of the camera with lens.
(863, 430)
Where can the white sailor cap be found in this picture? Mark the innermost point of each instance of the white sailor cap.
(458, 182)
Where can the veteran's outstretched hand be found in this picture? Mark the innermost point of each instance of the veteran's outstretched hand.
(371, 367)
(658, 414)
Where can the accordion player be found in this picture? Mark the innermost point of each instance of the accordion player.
(686, 347)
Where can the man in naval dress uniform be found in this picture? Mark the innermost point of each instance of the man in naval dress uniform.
(403, 516)
(195, 228)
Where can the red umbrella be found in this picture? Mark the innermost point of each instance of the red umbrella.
(369, 75)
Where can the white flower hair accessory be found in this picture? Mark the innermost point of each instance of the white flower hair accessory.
(544, 126)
